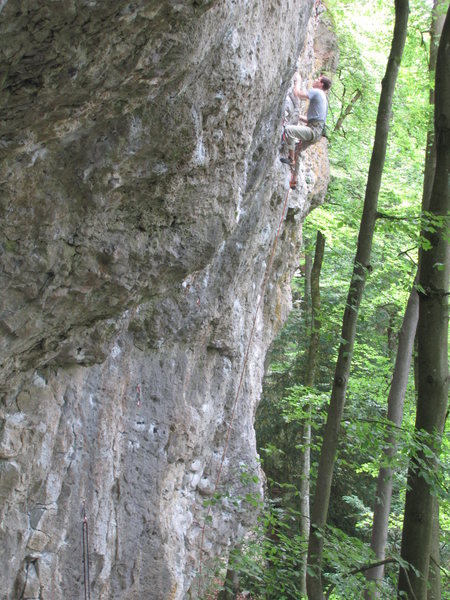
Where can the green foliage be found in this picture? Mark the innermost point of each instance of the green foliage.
(269, 561)
(364, 34)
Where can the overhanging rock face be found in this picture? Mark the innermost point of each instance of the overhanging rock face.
(140, 196)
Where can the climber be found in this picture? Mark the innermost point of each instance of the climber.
(299, 137)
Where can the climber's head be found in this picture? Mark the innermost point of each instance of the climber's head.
(322, 82)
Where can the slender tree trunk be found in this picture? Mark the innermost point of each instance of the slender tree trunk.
(304, 465)
(310, 378)
(305, 470)
(304, 492)
(231, 589)
(311, 366)
(434, 265)
(298, 370)
(437, 23)
(319, 509)
(405, 348)
(396, 401)
(231, 586)
(434, 573)
(307, 296)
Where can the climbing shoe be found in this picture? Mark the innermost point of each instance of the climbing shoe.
(287, 160)
(293, 184)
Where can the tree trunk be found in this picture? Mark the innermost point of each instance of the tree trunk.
(437, 24)
(307, 297)
(311, 366)
(231, 586)
(310, 377)
(361, 265)
(396, 401)
(434, 265)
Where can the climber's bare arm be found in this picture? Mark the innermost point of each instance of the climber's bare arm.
(299, 92)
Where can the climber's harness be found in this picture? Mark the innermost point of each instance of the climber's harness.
(317, 128)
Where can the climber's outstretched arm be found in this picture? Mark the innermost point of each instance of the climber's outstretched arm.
(299, 92)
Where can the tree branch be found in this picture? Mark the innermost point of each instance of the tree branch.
(382, 215)
(344, 113)
(440, 567)
(361, 570)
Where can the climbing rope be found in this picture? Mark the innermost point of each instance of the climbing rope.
(87, 587)
(241, 378)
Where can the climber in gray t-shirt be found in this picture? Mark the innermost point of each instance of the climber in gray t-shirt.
(311, 131)
(318, 105)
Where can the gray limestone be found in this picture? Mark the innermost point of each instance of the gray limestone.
(140, 197)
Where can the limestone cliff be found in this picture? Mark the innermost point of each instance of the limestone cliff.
(140, 196)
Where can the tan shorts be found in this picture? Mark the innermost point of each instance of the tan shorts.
(308, 134)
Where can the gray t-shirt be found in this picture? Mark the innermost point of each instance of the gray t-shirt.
(318, 105)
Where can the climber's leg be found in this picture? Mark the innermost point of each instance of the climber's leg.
(294, 134)
(295, 167)
(293, 181)
(289, 159)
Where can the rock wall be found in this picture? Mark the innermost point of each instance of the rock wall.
(140, 197)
